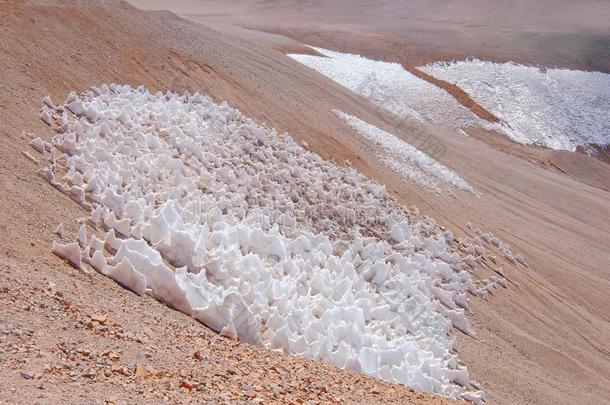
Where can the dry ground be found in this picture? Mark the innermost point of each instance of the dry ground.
(544, 340)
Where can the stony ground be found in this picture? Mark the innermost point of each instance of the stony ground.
(543, 340)
(80, 338)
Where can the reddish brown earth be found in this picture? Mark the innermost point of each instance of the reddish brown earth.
(542, 340)
(460, 95)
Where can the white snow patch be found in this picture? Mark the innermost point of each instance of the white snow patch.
(405, 159)
(46, 101)
(70, 252)
(241, 228)
(557, 108)
(37, 144)
(392, 87)
(45, 116)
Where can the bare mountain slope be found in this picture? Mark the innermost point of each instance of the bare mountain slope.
(542, 340)
(550, 32)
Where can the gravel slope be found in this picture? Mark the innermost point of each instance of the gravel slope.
(542, 340)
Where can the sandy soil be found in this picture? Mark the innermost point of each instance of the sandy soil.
(543, 340)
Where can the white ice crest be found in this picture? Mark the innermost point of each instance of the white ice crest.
(240, 227)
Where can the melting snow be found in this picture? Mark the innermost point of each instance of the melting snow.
(406, 159)
(557, 108)
(241, 228)
(71, 252)
(392, 87)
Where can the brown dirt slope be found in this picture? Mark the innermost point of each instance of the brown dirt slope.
(544, 340)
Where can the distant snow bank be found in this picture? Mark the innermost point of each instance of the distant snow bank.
(392, 87)
(243, 229)
(405, 159)
(557, 108)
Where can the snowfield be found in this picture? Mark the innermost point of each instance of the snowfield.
(243, 229)
(557, 108)
(392, 87)
(405, 159)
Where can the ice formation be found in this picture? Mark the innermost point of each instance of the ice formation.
(261, 240)
(60, 230)
(557, 108)
(491, 239)
(392, 87)
(70, 252)
(37, 144)
(405, 159)
(29, 156)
